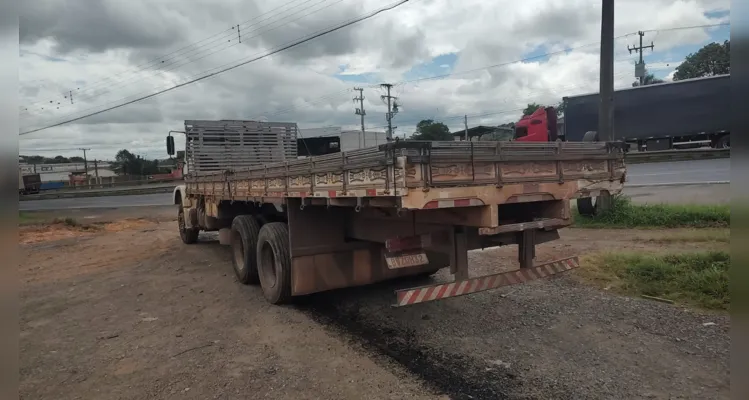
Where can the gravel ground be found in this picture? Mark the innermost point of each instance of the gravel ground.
(131, 313)
(549, 339)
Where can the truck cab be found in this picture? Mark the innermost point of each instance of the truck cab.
(541, 126)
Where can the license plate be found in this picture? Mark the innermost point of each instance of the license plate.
(395, 261)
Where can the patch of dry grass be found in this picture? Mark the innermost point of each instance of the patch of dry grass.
(699, 279)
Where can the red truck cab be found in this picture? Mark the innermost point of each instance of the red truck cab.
(541, 126)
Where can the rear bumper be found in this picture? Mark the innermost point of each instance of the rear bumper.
(423, 294)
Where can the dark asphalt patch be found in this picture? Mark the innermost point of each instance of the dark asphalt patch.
(446, 372)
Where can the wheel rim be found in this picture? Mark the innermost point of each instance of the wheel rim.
(238, 248)
(268, 265)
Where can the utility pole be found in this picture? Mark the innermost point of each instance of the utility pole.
(360, 112)
(465, 123)
(606, 109)
(96, 172)
(640, 66)
(392, 109)
(85, 161)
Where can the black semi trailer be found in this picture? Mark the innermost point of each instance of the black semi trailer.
(687, 113)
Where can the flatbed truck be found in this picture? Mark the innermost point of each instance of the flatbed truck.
(301, 226)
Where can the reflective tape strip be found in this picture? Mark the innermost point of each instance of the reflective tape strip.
(406, 297)
(453, 203)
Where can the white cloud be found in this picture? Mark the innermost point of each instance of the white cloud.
(106, 43)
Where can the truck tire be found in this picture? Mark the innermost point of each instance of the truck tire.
(244, 236)
(590, 136)
(188, 235)
(724, 142)
(586, 206)
(274, 262)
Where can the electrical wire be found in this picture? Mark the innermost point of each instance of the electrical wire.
(294, 44)
(179, 61)
(330, 94)
(231, 31)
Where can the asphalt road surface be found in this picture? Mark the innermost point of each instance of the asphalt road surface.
(696, 171)
(156, 199)
(648, 176)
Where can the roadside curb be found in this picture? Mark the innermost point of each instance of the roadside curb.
(675, 155)
(677, 184)
(122, 192)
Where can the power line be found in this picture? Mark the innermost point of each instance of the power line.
(495, 65)
(678, 28)
(640, 66)
(181, 62)
(230, 31)
(360, 111)
(161, 59)
(392, 108)
(335, 93)
(294, 44)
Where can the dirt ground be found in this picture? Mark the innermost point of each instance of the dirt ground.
(126, 311)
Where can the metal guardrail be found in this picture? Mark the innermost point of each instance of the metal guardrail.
(675, 155)
(152, 186)
(113, 185)
(70, 194)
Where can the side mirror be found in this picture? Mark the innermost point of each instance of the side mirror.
(170, 145)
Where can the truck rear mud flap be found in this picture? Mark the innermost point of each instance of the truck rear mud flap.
(423, 294)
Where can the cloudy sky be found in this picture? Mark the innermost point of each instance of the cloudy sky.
(106, 52)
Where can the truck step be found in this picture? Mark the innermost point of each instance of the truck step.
(423, 294)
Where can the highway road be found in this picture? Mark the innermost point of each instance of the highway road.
(646, 176)
(680, 172)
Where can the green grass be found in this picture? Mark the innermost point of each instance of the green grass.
(699, 279)
(702, 235)
(624, 214)
(26, 218)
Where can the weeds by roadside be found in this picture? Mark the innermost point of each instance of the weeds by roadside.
(70, 222)
(624, 214)
(699, 279)
(27, 218)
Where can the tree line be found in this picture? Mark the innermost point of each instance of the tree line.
(125, 163)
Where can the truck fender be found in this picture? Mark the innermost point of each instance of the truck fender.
(179, 196)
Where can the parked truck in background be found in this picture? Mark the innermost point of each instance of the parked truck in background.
(28, 183)
(680, 114)
(300, 226)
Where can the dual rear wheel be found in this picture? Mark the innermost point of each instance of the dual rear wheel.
(261, 255)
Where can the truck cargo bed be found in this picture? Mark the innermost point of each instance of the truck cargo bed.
(425, 174)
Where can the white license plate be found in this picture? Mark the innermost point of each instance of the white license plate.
(395, 261)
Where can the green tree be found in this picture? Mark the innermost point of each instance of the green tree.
(560, 107)
(427, 129)
(127, 163)
(712, 59)
(531, 108)
(58, 160)
(650, 79)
